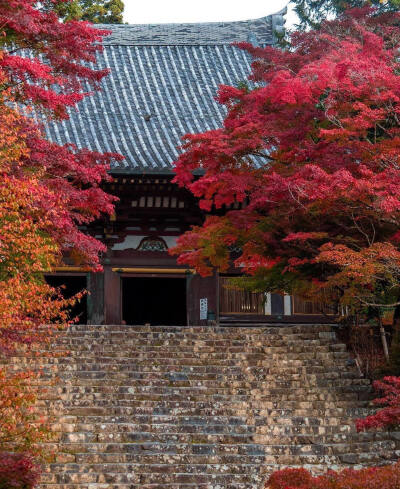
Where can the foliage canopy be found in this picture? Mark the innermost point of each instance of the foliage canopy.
(312, 12)
(96, 11)
(47, 192)
(310, 152)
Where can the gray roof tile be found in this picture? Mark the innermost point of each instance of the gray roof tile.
(162, 85)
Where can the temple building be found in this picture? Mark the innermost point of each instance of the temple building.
(162, 85)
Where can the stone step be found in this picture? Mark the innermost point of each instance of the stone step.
(249, 454)
(117, 410)
(272, 435)
(276, 344)
(197, 366)
(316, 400)
(173, 372)
(274, 438)
(208, 330)
(203, 388)
(150, 486)
(116, 473)
(220, 359)
(222, 479)
(204, 407)
(285, 367)
(211, 433)
(220, 445)
(213, 415)
(291, 442)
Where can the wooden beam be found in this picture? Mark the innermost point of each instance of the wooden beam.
(154, 270)
(70, 269)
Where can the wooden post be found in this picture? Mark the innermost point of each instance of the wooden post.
(95, 298)
(112, 296)
(383, 337)
(199, 288)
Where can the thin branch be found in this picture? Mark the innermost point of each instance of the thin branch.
(361, 230)
(372, 304)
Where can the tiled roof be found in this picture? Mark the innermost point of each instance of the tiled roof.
(162, 85)
(205, 33)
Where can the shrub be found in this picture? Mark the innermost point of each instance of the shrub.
(389, 415)
(290, 478)
(18, 471)
(387, 477)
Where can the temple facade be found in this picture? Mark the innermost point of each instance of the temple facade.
(162, 83)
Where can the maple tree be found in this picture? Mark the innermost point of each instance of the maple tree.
(18, 471)
(312, 12)
(310, 151)
(30, 310)
(44, 63)
(47, 192)
(47, 61)
(388, 416)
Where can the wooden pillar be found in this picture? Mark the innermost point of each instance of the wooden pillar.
(112, 296)
(201, 288)
(95, 298)
(287, 305)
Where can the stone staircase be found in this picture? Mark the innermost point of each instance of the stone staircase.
(202, 407)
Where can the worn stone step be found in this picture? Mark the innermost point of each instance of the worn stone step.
(166, 428)
(149, 486)
(215, 407)
(151, 478)
(214, 414)
(193, 348)
(250, 454)
(218, 446)
(238, 403)
(208, 330)
(108, 410)
(225, 361)
(274, 439)
(289, 442)
(112, 363)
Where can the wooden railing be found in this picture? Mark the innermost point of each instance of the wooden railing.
(238, 301)
(310, 307)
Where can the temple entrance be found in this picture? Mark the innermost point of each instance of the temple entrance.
(72, 284)
(154, 300)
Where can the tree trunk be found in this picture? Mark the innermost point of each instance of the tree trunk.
(384, 340)
(396, 318)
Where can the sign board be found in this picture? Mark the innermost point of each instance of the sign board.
(203, 309)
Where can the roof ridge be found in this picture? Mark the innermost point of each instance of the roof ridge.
(281, 12)
(197, 33)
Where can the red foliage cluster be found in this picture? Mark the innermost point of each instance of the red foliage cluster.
(46, 192)
(310, 147)
(47, 63)
(389, 415)
(70, 192)
(387, 477)
(67, 190)
(53, 75)
(18, 471)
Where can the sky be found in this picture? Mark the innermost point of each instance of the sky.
(164, 11)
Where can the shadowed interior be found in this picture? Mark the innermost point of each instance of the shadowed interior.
(70, 286)
(158, 301)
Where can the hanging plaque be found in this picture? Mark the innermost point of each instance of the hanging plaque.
(203, 309)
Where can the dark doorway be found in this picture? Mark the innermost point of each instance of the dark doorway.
(72, 285)
(158, 301)
(277, 305)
